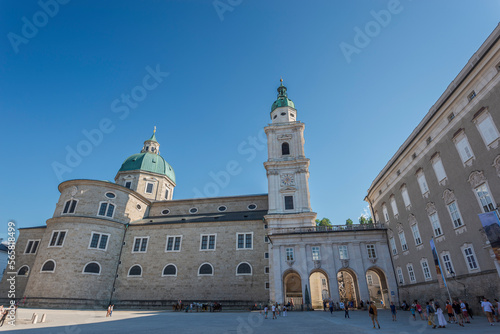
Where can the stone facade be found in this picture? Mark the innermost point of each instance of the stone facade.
(442, 177)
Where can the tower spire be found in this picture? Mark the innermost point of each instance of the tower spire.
(151, 145)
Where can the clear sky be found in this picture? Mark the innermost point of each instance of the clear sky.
(82, 68)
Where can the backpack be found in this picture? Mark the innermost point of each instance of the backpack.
(371, 310)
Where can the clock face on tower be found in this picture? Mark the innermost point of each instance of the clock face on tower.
(287, 179)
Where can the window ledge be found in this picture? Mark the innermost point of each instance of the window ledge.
(420, 247)
(396, 257)
(469, 162)
(426, 194)
(444, 181)
(493, 144)
(406, 252)
(440, 238)
(460, 229)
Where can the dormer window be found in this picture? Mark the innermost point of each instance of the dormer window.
(285, 149)
(283, 114)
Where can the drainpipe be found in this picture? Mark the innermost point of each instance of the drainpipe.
(118, 263)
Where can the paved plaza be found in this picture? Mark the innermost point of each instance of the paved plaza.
(88, 321)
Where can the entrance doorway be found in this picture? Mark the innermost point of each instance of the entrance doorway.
(293, 288)
(377, 287)
(318, 281)
(348, 287)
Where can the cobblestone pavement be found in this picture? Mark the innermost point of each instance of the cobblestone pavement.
(88, 321)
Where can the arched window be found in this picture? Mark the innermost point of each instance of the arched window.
(206, 269)
(92, 268)
(285, 149)
(244, 269)
(23, 271)
(135, 270)
(49, 266)
(170, 270)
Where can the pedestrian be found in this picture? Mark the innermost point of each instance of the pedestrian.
(331, 308)
(430, 314)
(449, 310)
(108, 311)
(393, 311)
(111, 310)
(465, 314)
(412, 309)
(440, 316)
(372, 312)
(346, 315)
(488, 310)
(496, 305)
(458, 313)
(469, 311)
(284, 310)
(265, 311)
(273, 309)
(419, 309)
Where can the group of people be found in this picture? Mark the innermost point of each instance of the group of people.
(3, 314)
(458, 312)
(276, 309)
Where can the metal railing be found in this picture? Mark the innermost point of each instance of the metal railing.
(333, 228)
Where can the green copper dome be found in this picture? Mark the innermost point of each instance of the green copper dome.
(282, 100)
(148, 162)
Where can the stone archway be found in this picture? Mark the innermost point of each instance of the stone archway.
(292, 284)
(318, 281)
(348, 286)
(377, 286)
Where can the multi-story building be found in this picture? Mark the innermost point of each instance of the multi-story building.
(444, 175)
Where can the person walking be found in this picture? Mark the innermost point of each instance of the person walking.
(419, 309)
(440, 316)
(372, 312)
(331, 308)
(449, 310)
(496, 305)
(393, 311)
(265, 311)
(430, 314)
(458, 313)
(488, 310)
(284, 310)
(412, 309)
(273, 309)
(346, 315)
(465, 314)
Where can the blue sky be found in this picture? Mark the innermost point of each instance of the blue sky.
(73, 70)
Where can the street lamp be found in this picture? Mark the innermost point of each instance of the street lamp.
(453, 275)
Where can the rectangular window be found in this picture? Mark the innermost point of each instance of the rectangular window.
(266, 255)
(140, 244)
(288, 202)
(425, 269)
(57, 239)
(289, 254)
(447, 264)
(371, 251)
(386, 213)
(128, 184)
(70, 206)
(315, 253)
(416, 234)
(394, 206)
(266, 270)
(484, 197)
(106, 209)
(401, 279)
(207, 242)
(464, 149)
(487, 129)
(244, 240)
(455, 214)
(406, 197)
(422, 183)
(471, 259)
(471, 96)
(392, 242)
(31, 247)
(166, 193)
(402, 239)
(99, 241)
(344, 255)
(267, 285)
(436, 225)
(439, 169)
(173, 243)
(411, 273)
(266, 239)
(149, 188)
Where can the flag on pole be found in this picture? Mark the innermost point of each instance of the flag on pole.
(440, 275)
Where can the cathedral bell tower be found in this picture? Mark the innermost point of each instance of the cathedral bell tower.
(287, 167)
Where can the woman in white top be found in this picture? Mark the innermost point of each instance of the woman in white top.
(440, 316)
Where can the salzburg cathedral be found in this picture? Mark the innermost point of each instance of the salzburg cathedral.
(435, 218)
